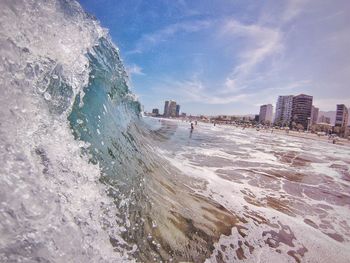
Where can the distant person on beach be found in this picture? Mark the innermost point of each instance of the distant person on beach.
(195, 122)
(191, 130)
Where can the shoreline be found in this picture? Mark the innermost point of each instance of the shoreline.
(296, 134)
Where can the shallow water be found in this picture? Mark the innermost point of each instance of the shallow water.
(286, 199)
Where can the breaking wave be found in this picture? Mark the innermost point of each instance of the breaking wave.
(81, 180)
(54, 59)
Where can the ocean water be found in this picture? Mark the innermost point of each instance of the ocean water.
(288, 197)
(86, 178)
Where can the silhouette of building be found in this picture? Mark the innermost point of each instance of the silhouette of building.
(301, 111)
(265, 115)
(166, 109)
(177, 110)
(171, 109)
(283, 110)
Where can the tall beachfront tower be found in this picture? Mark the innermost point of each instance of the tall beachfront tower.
(301, 111)
(166, 109)
(342, 115)
(172, 108)
(177, 110)
(265, 115)
(341, 119)
(284, 107)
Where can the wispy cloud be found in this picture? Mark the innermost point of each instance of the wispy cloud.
(185, 9)
(134, 70)
(293, 9)
(261, 42)
(237, 57)
(150, 40)
(289, 87)
(194, 90)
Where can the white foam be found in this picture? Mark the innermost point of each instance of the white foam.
(261, 148)
(52, 206)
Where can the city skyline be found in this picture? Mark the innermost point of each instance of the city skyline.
(295, 112)
(171, 109)
(282, 111)
(231, 56)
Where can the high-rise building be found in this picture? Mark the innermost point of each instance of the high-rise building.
(324, 119)
(265, 115)
(341, 120)
(314, 114)
(342, 115)
(177, 110)
(172, 108)
(301, 111)
(166, 109)
(283, 110)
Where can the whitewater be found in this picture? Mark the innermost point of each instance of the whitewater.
(85, 178)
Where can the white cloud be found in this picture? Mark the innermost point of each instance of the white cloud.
(301, 47)
(148, 41)
(193, 90)
(261, 43)
(186, 11)
(290, 88)
(293, 9)
(134, 70)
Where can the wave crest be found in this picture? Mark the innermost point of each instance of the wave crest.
(53, 206)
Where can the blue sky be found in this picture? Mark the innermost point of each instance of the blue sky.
(229, 57)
